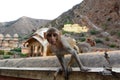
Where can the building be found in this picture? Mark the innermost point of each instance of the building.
(75, 28)
(36, 45)
(8, 42)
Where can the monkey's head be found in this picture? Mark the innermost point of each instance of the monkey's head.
(91, 42)
(52, 35)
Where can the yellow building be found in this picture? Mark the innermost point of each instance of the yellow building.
(75, 28)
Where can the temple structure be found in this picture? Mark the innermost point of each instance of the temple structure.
(8, 42)
(36, 45)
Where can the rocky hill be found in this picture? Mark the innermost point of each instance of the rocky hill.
(102, 17)
(104, 14)
(22, 26)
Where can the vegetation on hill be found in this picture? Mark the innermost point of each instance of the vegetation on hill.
(102, 17)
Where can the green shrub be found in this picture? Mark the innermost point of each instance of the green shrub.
(93, 32)
(6, 56)
(107, 39)
(16, 49)
(82, 34)
(23, 55)
(10, 53)
(118, 33)
(112, 45)
(82, 39)
(98, 41)
(2, 52)
(64, 32)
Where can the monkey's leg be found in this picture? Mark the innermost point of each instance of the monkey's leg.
(70, 63)
(64, 67)
(77, 49)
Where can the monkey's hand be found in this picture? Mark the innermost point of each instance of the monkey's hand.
(84, 69)
(69, 70)
(59, 70)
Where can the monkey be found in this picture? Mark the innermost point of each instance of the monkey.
(60, 46)
(70, 40)
(91, 42)
(86, 46)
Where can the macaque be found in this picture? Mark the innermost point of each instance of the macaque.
(59, 47)
(86, 46)
(72, 43)
(91, 42)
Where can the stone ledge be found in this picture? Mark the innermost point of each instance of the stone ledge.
(93, 59)
(47, 74)
(43, 68)
(74, 69)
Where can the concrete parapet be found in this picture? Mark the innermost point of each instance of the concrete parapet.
(93, 59)
(43, 68)
(47, 74)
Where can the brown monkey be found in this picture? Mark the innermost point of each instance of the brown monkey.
(60, 46)
(86, 46)
(91, 42)
(70, 40)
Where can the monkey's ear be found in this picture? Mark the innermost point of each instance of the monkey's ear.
(88, 39)
(45, 35)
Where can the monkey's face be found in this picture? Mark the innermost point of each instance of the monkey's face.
(91, 42)
(52, 37)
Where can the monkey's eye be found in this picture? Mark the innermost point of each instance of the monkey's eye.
(50, 35)
(55, 34)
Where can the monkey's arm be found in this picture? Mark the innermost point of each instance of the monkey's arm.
(62, 61)
(73, 52)
(70, 50)
(64, 67)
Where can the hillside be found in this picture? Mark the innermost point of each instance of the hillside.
(22, 26)
(104, 14)
(102, 17)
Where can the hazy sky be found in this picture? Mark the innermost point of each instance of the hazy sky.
(39, 9)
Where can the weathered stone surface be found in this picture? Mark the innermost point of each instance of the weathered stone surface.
(93, 59)
(48, 75)
(38, 68)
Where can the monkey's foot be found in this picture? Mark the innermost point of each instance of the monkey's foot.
(84, 69)
(69, 70)
(59, 70)
(66, 75)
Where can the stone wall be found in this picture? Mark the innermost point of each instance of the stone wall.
(43, 68)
